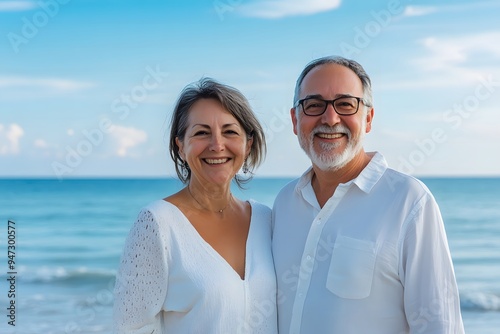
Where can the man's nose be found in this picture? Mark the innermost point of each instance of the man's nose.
(330, 116)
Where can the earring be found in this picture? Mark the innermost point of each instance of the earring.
(245, 167)
(185, 169)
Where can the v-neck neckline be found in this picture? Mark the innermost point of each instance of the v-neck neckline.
(212, 250)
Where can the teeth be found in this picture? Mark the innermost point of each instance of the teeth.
(330, 135)
(216, 161)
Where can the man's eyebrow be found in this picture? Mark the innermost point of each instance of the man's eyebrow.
(313, 96)
(319, 96)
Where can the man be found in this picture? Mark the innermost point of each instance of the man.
(358, 247)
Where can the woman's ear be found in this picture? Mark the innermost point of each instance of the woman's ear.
(180, 145)
(249, 146)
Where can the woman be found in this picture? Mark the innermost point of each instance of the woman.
(199, 261)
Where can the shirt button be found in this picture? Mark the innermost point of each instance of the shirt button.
(309, 257)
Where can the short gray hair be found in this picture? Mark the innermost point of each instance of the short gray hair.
(235, 103)
(351, 64)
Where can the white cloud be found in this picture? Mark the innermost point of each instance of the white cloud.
(457, 61)
(70, 132)
(9, 138)
(448, 52)
(57, 84)
(274, 9)
(487, 132)
(16, 6)
(419, 10)
(410, 11)
(40, 143)
(127, 138)
(463, 59)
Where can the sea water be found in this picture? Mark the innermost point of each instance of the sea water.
(69, 236)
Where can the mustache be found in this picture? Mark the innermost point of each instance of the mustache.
(337, 128)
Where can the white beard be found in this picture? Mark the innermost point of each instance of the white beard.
(327, 160)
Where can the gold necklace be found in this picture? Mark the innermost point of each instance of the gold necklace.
(219, 211)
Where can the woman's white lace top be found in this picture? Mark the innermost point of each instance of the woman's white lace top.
(171, 280)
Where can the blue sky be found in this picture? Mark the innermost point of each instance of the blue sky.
(87, 87)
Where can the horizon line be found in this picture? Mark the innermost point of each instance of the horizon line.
(164, 177)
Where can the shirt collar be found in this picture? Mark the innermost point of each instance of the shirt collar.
(365, 181)
(370, 175)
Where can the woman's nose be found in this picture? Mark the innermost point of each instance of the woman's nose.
(216, 143)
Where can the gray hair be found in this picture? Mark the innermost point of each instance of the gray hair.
(351, 64)
(235, 103)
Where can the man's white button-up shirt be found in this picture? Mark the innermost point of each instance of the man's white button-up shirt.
(374, 259)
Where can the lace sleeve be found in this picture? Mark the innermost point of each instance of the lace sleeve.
(141, 282)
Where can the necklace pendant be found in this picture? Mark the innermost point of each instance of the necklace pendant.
(221, 210)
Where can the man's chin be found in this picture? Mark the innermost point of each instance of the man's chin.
(333, 161)
(328, 165)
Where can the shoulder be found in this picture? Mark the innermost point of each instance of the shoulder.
(404, 183)
(287, 195)
(159, 207)
(259, 209)
(413, 195)
(288, 189)
(157, 217)
(261, 214)
(159, 210)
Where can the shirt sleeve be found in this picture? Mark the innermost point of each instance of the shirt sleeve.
(141, 282)
(431, 298)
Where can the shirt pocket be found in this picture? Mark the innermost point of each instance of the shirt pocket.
(351, 268)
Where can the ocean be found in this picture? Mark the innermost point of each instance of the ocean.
(68, 237)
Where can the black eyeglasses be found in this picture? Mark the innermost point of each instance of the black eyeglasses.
(344, 105)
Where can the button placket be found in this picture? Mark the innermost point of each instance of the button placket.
(310, 248)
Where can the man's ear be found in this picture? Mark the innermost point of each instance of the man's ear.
(293, 114)
(369, 119)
